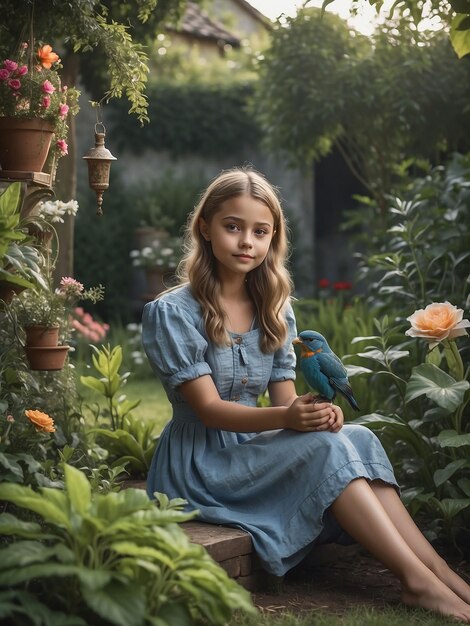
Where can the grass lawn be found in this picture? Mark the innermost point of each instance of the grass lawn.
(153, 406)
(361, 616)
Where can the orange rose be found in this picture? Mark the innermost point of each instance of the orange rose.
(438, 321)
(47, 57)
(42, 421)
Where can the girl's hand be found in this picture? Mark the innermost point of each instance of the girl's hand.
(307, 415)
(338, 421)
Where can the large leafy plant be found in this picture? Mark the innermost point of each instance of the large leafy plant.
(421, 255)
(19, 261)
(117, 558)
(127, 439)
(423, 423)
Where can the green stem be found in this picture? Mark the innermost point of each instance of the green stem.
(457, 358)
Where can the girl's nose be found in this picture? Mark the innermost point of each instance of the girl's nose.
(245, 241)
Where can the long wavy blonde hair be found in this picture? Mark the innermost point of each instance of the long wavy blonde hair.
(269, 285)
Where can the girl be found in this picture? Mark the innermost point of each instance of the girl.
(292, 475)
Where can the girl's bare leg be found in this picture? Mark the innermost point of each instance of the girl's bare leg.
(417, 541)
(360, 512)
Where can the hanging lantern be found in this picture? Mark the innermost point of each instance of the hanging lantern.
(99, 164)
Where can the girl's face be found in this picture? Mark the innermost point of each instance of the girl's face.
(240, 234)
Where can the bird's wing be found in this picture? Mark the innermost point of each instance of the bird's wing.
(315, 377)
(331, 365)
(337, 375)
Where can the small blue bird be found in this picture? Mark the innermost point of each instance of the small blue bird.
(322, 369)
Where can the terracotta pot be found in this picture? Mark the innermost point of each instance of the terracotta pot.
(42, 336)
(8, 290)
(46, 358)
(157, 280)
(24, 143)
(146, 235)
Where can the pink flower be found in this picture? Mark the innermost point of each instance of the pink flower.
(62, 145)
(48, 87)
(14, 83)
(10, 419)
(46, 102)
(22, 70)
(63, 110)
(4, 74)
(79, 310)
(68, 284)
(10, 65)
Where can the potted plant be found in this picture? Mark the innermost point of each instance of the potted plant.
(49, 213)
(45, 316)
(33, 109)
(159, 261)
(153, 223)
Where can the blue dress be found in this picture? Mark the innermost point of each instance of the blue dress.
(277, 485)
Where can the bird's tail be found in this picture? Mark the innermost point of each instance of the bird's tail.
(347, 392)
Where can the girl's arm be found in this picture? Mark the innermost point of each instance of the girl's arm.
(301, 414)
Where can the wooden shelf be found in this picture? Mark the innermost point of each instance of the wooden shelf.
(39, 178)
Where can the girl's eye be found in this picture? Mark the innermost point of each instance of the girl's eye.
(232, 227)
(260, 232)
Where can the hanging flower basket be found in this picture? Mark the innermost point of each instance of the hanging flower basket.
(46, 358)
(40, 336)
(24, 143)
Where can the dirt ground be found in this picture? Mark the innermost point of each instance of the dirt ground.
(354, 579)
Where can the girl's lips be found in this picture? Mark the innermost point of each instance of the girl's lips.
(244, 256)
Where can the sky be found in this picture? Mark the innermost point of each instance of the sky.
(364, 21)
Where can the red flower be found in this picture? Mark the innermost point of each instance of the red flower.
(323, 283)
(342, 285)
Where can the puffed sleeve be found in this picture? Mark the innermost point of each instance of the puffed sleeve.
(284, 358)
(174, 346)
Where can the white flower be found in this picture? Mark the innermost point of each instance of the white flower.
(132, 327)
(134, 254)
(166, 252)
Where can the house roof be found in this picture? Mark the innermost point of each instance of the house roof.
(197, 23)
(255, 13)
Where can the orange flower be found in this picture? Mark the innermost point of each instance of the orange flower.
(438, 321)
(47, 57)
(42, 421)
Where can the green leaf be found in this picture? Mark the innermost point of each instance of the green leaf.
(78, 489)
(115, 361)
(120, 603)
(93, 383)
(460, 39)
(26, 498)
(10, 200)
(441, 475)
(450, 507)
(464, 484)
(436, 385)
(356, 370)
(176, 614)
(11, 525)
(10, 463)
(452, 439)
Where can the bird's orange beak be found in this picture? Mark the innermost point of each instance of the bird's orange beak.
(297, 341)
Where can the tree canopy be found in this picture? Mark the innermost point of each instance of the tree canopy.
(377, 100)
